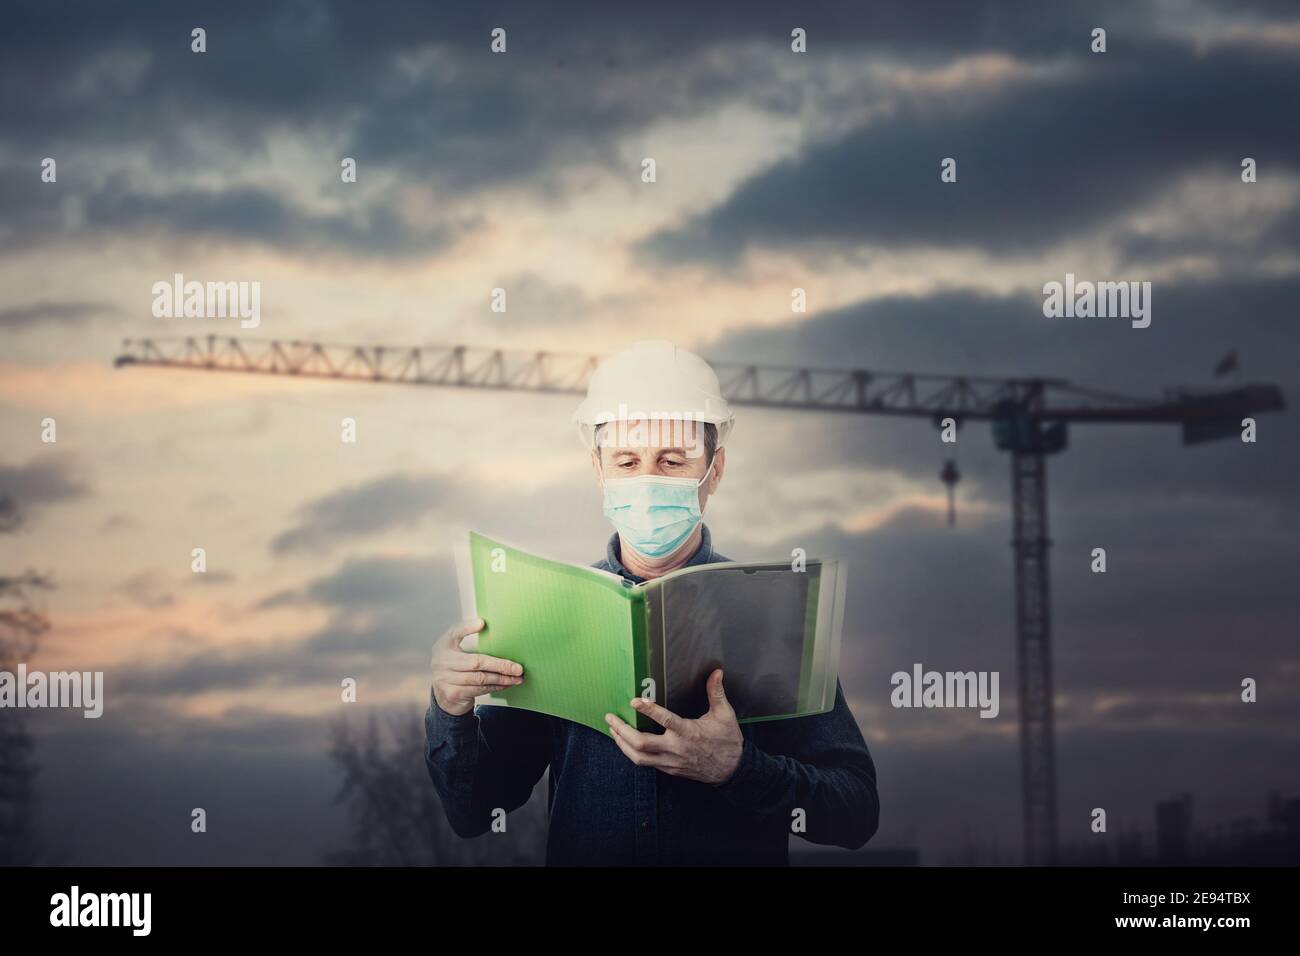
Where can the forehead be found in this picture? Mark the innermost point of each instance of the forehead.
(650, 433)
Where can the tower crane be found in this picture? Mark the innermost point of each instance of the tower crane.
(1030, 418)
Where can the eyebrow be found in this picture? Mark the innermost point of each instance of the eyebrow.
(614, 453)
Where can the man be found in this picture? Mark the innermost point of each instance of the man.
(704, 791)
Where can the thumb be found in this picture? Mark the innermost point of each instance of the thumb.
(718, 702)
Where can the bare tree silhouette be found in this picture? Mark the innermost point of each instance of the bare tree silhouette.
(21, 625)
(397, 817)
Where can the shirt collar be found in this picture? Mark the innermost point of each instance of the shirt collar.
(614, 554)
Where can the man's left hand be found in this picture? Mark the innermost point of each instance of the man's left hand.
(707, 749)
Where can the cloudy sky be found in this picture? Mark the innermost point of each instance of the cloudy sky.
(775, 170)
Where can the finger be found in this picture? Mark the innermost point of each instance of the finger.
(628, 752)
(480, 679)
(484, 662)
(642, 743)
(660, 715)
(640, 758)
(459, 693)
(466, 695)
(718, 702)
(464, 629)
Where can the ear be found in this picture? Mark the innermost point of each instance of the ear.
(595, 464)
(719, 465)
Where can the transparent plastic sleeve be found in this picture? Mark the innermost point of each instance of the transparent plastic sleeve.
(773, 630)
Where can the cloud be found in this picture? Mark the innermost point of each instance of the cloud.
(1035, 166)
(367, 509)
(371, 223)
(266, 665)
(533, 300)
(208, 578)
(384, 612)
(130, 112)
(119, 521)
(20, 317)
(438, 123)
(375, 582)
(257, 215)
(975, 333)
(149, 589)
(41, 483)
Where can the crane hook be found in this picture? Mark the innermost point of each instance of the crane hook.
(950, 476)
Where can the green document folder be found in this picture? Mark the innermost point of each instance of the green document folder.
(589, 641)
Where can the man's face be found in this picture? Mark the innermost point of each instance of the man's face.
(668, 447)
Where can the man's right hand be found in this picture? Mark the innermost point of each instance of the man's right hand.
(459, 676)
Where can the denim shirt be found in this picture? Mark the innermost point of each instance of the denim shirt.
(606, 811)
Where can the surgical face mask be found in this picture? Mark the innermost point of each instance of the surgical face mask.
(654, 514)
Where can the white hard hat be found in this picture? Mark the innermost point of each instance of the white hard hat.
(653, 380)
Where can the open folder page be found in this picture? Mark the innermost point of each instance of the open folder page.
(569, 626)
(589, 641)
